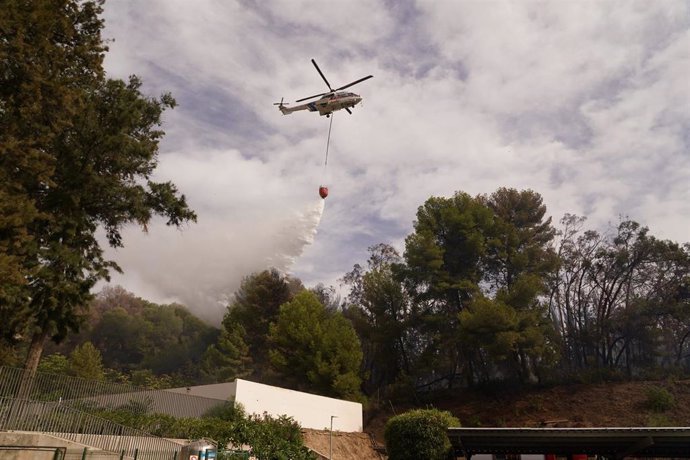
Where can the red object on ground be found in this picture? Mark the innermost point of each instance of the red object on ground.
(323, 191)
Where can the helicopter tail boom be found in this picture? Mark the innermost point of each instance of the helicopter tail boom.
(288, 110)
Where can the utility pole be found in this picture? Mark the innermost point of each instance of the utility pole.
(330, 439)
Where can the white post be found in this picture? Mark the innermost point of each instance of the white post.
(330, 438)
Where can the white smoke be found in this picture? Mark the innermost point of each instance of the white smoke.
(246, 223)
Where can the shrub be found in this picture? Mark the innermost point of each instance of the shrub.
(419, 433)
(659, 420)
(659, 399)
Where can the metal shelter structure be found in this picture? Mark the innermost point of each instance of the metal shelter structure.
(611, 443)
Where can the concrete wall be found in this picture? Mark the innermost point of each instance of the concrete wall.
(34, 439)
(310, 411)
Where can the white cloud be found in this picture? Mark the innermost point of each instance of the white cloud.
(584, 102)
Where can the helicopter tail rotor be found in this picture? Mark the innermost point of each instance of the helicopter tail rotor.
(281, 106)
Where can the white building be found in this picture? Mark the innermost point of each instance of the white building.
(309, 410)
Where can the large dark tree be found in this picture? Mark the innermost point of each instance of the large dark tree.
(77, 153)
(245, 328)
(315, 349)
(382, 314)
(443, 272)
(475, 268)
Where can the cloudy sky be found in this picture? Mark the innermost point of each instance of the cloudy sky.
(585, 102)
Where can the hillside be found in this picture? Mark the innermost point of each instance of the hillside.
(621, 404)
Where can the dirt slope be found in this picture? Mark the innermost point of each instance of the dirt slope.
(578, 405)
(346, 446)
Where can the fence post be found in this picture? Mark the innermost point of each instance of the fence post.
(83, 454)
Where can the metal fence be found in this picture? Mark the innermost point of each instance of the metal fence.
(62, 421)
(16, 383)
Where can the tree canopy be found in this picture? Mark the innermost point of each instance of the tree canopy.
(314, 349)
(78, 151)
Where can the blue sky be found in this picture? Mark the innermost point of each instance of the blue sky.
(587, 103)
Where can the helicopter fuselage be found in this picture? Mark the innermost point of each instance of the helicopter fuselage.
(326, 104)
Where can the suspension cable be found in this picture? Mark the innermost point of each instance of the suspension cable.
(328, 142)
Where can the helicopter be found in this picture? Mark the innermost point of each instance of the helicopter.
(329, 102)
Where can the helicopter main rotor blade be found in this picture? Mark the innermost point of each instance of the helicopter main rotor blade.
(311, 97)
(354, 82)
(321, 73)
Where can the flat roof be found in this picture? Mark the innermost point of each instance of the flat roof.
(614, 442)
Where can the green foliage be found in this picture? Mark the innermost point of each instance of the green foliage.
(246, 325)
(229, 411)
(660, 421)
(442, 274)
(309, 341)
(277, 438)
(419, 433)
(54, 364)
(229, 358)
(134, 335)
(80, 151)
(490, 326)
(85, 362)
(145, 378)
(519, 243)
(659, 399)
(269, 437)
(477, 266)
(381, 312)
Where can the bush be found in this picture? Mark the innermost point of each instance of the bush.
(659, 399)
(419, 433)
(659, 420)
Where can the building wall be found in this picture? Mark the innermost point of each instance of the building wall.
(310, 411)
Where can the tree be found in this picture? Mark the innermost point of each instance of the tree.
(85, 362)
(80, 150)
(419, 433)
(55, 363)
(619, 300)
(134, 334)
(121, 338)
(520, 243)
(229, 358)
(519, 261)
(256, 305)
(49, 50)
(444, 267)
(491, 253)
(381, 312)
(276, 438)
(310, 343)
